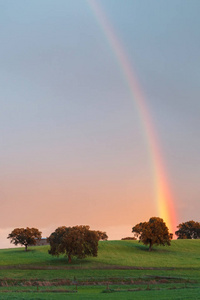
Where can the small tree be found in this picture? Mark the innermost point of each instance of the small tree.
(188, 230)
(153, 232)
(102, 235)
(129, 238)
(24, 236)
(77, 241)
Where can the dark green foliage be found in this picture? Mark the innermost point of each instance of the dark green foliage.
(102, 235)
(188, 230)
(24, 236)
(77, 241)
(129, 238)
(153, 232)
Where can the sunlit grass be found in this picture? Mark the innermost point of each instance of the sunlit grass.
(125, 264)
(181, 254)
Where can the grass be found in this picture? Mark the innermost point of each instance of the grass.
(121, 270)
(181, 254)
(97, 294)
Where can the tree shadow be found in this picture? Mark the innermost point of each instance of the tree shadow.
(155, 248)
(20, 250)
(142, 247)
(76, 262)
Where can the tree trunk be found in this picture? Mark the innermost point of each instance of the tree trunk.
(69, 259)
(150, 246)
(26, 247)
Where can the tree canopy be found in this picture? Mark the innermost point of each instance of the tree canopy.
(188, 230)
(24, 236)
(102, 235)
(77, 241)
(129, 238)
(153, 232)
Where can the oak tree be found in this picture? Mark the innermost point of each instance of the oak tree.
(24, 236)
(129, 238)
(102, 235)
(77, 241)
(153, 232)
(188, 230)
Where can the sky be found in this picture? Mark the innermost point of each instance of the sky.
(73, 149)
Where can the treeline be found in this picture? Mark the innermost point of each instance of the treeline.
(80, 241)
(77, 241)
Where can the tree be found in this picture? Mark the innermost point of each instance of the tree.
(153, 232)
(188, 230)
(24, 236)
(77, 241)
(102, 235)
(129, 238)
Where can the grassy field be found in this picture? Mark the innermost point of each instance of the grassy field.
(122, 270)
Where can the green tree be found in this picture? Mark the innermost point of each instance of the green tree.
(153, 232)
(102, 235)
(188, 230)
(24, 236)
(77, 241)
(129, 238)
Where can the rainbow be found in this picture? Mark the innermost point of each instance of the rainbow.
(163, 197)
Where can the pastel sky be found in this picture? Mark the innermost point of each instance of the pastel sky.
(73, 150)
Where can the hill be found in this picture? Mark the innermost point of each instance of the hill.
(120, 266)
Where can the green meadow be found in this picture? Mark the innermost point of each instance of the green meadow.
(122, 270)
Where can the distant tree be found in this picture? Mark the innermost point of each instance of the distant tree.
(129, 238)
(24, 236)
(102, 235)
(188, 230)
(153, 232)
(77, 241)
